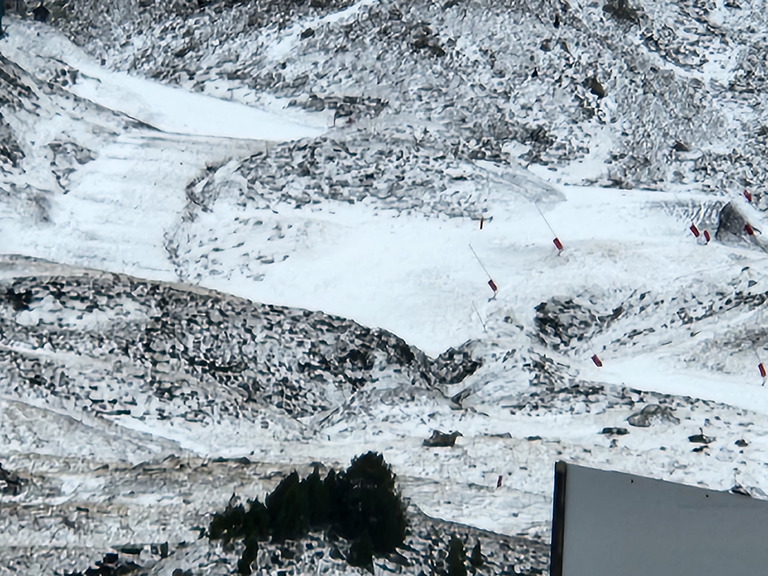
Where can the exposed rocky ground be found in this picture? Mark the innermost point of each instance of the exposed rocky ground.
(204, 357)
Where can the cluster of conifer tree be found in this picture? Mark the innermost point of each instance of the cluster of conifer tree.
(360, 505)
(457, 557)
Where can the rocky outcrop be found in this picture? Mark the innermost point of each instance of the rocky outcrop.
(10, 483)
(11, 153)
(731, 224)
(455, 365)
(535, 79)
(197, 353)
(441, 439)
(563, 323)
(653, 413)
(408, 170)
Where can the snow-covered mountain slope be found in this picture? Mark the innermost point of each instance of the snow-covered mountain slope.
(75, 148)
(92, 355)
(662, 92)
(201, 271)
(207, 359)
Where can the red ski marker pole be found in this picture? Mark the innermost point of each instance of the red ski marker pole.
(491, 283)
(556, 241)
(597, 361)
(761, 367)
(749, 229)
(694, 230)
(747, 195)
(707, 237)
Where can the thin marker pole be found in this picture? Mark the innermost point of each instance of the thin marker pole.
(480, 317)
(760, 365)
(556, 240)
(480, 262)
(545, 219)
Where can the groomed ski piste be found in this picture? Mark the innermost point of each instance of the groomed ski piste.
(674, 321)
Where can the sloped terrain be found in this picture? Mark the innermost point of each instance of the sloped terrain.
(40, 123)
(331, 231)
(662, 93)
(93, 355)
(201, 357)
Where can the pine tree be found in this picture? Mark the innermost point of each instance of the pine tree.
(361, 552)
(275, 501)
(319, 500)
(229, 525)
(456, 558)
(361, 505)
(256, 521)
(370, 503)
(476, 558)
(249, 556)
(289, 509)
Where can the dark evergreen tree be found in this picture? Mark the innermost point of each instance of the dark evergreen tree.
(236, 523)
(288, 508)
(228, 525)
(361, 505)
(456, 558)
(476, 558)
(336, 486)
(249, 555)
(319, 500)
(275, 501)
(371, 503)
(256, 521)
(361, 552)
